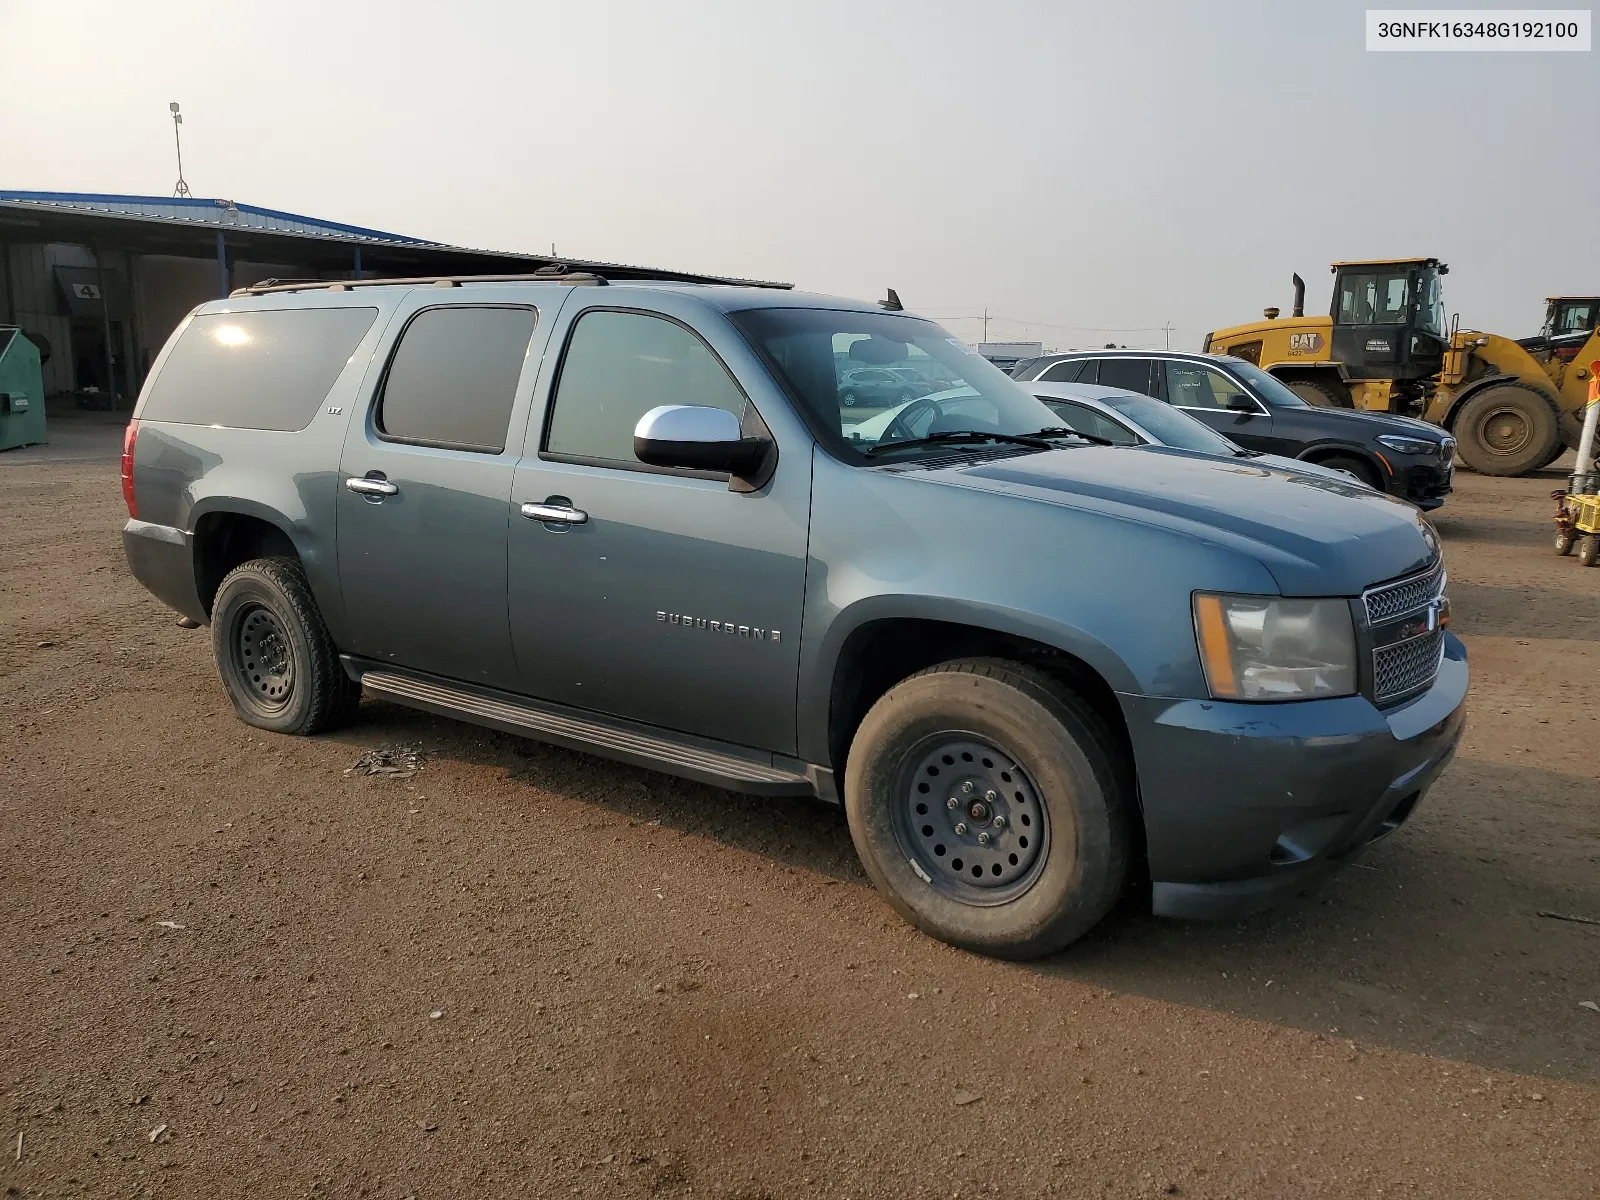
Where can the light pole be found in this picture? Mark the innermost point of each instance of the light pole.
(182, 189)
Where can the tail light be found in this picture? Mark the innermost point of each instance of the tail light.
(129, 436)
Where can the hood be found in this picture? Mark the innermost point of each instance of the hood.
(1318, 536)
(1364, 424)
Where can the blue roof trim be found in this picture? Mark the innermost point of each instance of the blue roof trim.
(213, 205)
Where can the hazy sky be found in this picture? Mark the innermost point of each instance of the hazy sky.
(1073, 167)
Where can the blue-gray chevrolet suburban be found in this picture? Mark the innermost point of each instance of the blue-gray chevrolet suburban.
(636, 517)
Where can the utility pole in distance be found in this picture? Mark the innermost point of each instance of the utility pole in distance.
(986, 322)
(182, 189)
(1167, 329)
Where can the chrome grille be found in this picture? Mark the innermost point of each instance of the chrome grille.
(1407, 596)
(1407, 643)
(1406, 666)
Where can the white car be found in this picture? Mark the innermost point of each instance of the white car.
(1131, 419)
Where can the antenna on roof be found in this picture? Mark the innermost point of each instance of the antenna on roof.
(182, 189)
(892, 302)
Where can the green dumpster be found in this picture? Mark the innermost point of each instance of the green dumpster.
(21, 391)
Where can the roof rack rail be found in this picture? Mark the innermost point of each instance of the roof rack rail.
(570, 278)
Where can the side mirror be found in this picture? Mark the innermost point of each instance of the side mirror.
(1238, 402)
(697, 438)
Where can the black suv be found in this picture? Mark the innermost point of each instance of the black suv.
(1409, 459)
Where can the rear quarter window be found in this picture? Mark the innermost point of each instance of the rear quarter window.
(269, 369)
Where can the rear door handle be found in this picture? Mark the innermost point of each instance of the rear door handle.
(560, 514)
(371, 487)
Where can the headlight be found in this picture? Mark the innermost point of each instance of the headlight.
(1408, 445)
(1266, 648)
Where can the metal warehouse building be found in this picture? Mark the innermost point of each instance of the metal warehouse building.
(98, 282)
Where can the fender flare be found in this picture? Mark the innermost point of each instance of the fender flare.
(819, 671)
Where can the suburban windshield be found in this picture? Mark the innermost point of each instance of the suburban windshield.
(1169, 426)
(1269, 389)
(870, 379)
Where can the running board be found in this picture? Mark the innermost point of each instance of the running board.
(627, 744)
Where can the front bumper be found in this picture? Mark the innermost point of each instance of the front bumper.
(1245, 804)
(1424, 483)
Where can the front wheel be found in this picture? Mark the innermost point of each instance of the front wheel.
(849, 400)
(1507, 429)
(1359, 471)
(1566, 539)
(991, 807)
(277, 660)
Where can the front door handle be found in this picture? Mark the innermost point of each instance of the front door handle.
(559, 514)
(371, 487)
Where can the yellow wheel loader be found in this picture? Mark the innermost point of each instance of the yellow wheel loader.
(1384, 346)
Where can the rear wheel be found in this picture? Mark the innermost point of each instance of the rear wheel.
(991, 807)
(277, 660)
(1360, 471)
(1324, 393)
(1508, 429)
(849, 400)
(1589, 549)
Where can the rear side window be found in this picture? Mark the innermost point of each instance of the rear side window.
(269, 369)
(620, 365)
(1063, 372)
(1130, 374)
(453, 377)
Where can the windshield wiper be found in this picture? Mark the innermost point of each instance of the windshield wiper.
(1241, 452)
(960, 436)
(1056, 431)
(1039, 439)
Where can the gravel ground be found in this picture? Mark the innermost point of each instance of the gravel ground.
(234, 966)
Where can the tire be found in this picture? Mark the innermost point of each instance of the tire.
(1322, 393)
(1352, 465)
(1589, 549)
(1565, 540)
(1556, 452)
(1507, 429)
(849, 400)
(1067, 807)
(276, 658)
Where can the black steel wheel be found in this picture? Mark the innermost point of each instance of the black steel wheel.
(259, 656)
(972, 818)
(992, 807)
(276, 658)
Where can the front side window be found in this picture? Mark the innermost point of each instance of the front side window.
(620, 365)
(1171, 427)
(453, 377)
(815, 353)
(1373, 298)
(1190, 385)
(1430, 303)
(1086, 420)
